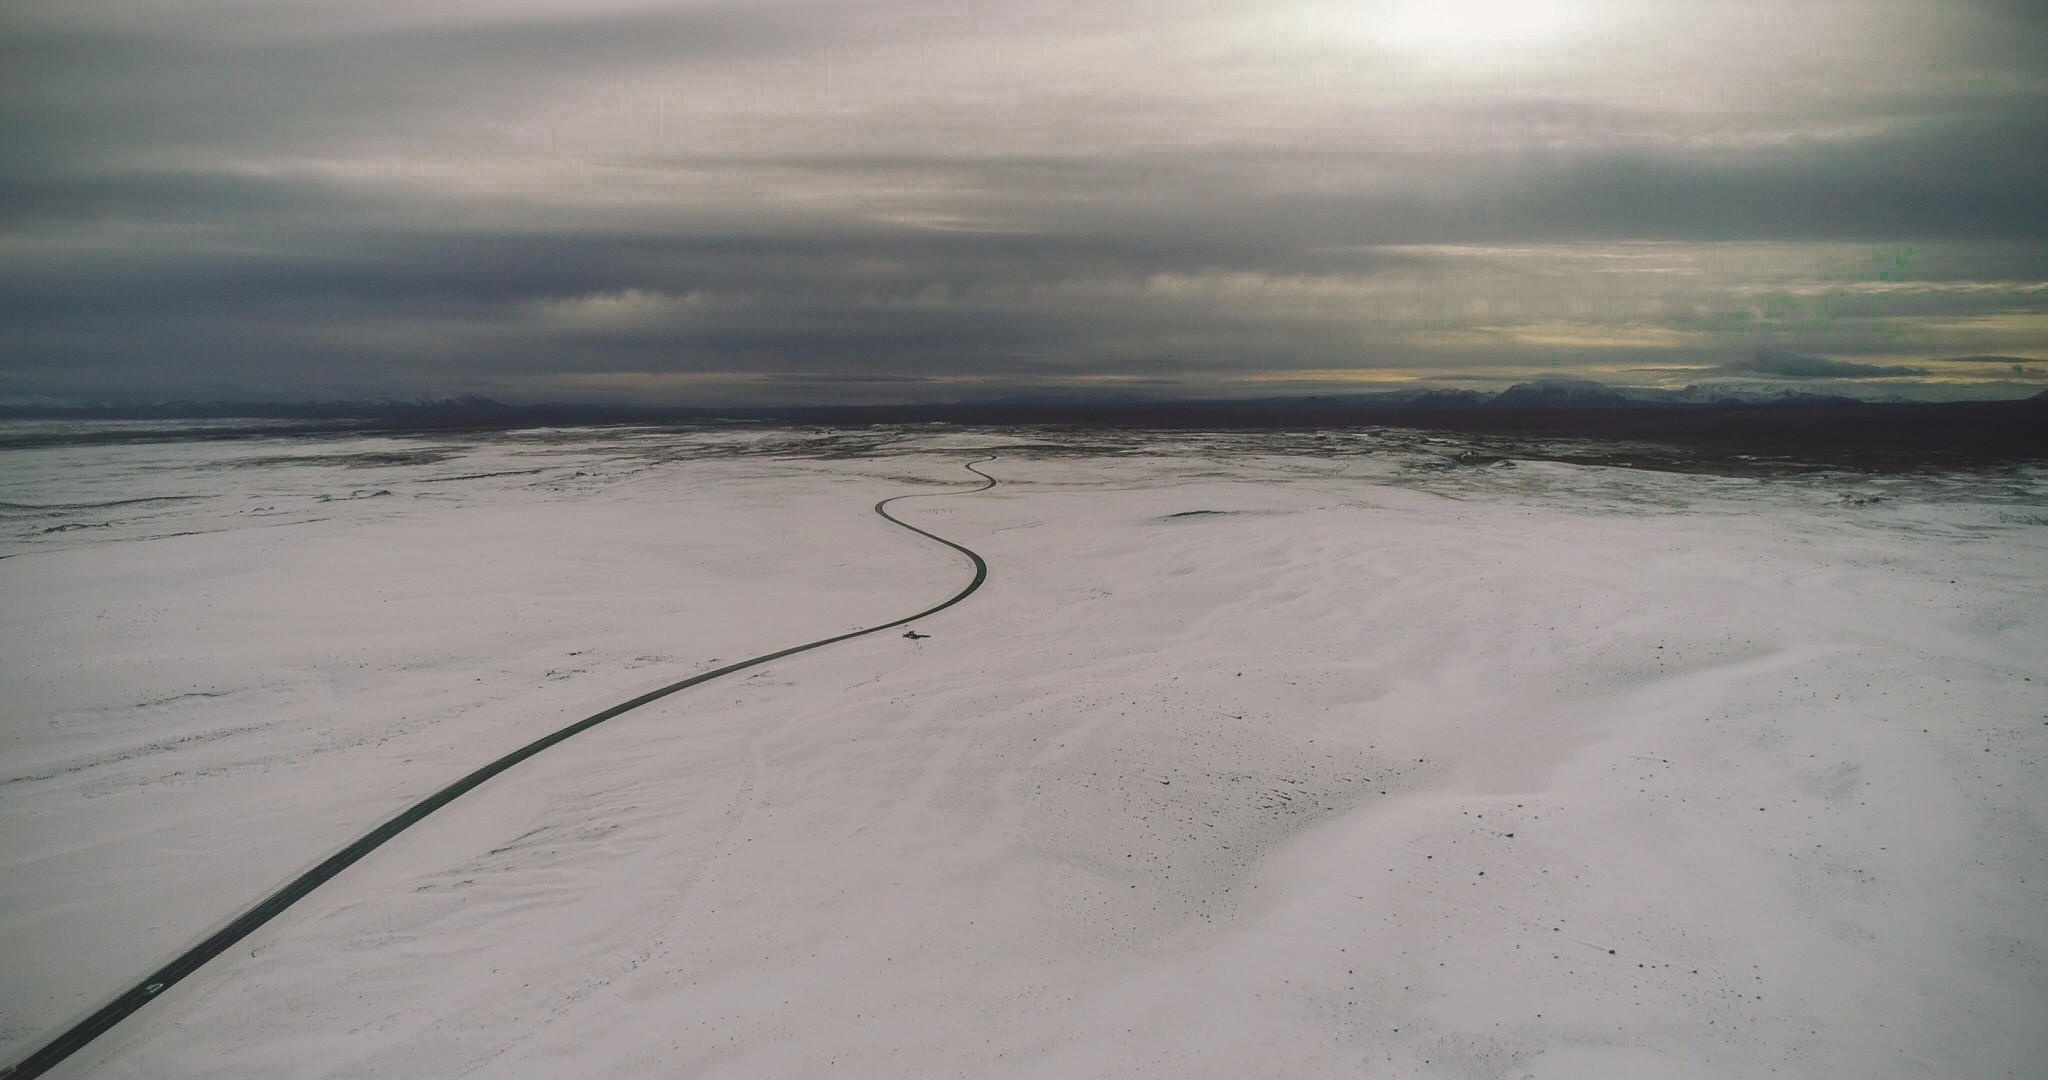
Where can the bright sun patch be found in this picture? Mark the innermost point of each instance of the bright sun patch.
(1466, 26)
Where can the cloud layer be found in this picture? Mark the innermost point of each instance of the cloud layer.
(1798, 366)
(811, 201)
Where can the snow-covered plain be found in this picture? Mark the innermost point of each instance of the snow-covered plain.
(1259, 755)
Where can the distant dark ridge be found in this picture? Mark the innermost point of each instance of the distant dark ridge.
(1543, 393)
(1561, 394)
(468, 405)
(1794, 427)
(1857, 434)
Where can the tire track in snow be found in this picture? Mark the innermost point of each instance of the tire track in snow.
(142, 993)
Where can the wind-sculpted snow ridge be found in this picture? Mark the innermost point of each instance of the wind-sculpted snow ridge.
(142, 993)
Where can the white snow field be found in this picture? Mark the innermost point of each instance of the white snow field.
(1258, 756)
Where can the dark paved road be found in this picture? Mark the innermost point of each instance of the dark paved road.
(142, 993)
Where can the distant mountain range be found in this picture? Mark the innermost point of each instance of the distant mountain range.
(1698, 426)
(1547, 393)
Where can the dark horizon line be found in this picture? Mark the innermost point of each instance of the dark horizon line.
(1540, 393)
(1798, 431)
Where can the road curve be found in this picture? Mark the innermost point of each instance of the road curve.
(163, 978)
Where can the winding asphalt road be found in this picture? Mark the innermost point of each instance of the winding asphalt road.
(163, 978)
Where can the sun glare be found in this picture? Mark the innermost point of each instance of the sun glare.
(1464, 26)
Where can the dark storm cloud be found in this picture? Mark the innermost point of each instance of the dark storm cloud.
(1796, 366)
(219, 199)
(1977, 178)
(95, 93)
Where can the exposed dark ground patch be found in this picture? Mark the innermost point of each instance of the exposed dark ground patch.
(478, 476)
(72, 508)
(375, 459)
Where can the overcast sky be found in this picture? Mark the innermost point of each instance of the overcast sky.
(891, 200)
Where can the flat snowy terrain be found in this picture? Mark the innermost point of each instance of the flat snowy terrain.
(1275, 756)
